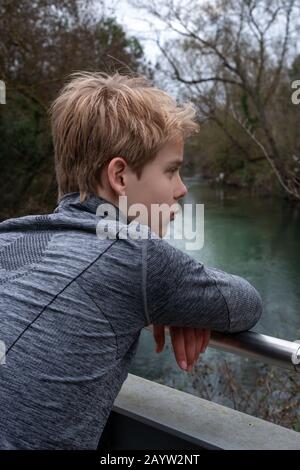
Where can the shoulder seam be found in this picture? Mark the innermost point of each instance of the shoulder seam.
(219, 290)
(101, 311)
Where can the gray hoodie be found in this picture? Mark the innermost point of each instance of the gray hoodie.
(72, 307)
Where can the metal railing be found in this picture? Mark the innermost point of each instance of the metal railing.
(268, 349)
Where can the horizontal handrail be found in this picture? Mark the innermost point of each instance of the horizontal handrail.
(268, 349)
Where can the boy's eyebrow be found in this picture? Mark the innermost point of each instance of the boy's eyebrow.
(175, 162)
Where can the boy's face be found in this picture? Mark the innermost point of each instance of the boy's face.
(160, 183)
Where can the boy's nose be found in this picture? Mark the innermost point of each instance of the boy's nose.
(182, 190)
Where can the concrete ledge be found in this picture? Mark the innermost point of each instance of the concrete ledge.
(204, 424)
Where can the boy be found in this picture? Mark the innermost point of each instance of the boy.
(72, 303)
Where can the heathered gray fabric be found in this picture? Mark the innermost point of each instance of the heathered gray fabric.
(72, 307)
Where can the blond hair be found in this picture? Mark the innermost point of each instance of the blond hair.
(97, 117)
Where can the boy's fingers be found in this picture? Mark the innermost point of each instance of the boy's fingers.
(159, 336)
(187, 343)
(190, 345)
(178, 343)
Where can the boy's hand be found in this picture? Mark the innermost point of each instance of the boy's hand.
(187, 343)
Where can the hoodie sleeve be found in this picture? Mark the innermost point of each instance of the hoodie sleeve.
(181, 291)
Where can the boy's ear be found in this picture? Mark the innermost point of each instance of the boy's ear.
(116, 172)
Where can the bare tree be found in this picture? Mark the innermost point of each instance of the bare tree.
(233, 56)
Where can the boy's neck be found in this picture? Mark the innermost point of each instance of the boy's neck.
(108, 195)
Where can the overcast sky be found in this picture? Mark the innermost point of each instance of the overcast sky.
(131, 20)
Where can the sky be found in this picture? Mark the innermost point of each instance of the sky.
(136, 23)
(133, 23)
